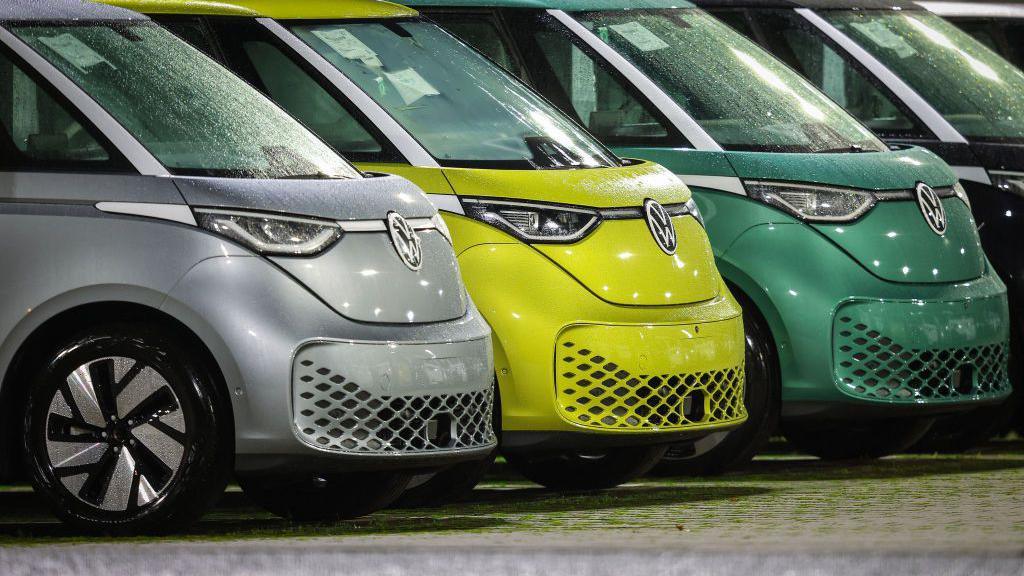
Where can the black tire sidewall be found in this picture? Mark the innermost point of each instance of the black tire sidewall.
(762, 397)
(203, 461)
(571, 471)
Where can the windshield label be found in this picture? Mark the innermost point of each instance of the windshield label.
(410, 85)
(74, 51)
(345, 43)
(878, 33)
(639, 36)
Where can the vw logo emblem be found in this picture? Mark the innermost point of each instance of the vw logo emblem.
(661, 226)
(931, 208)
(405, 240)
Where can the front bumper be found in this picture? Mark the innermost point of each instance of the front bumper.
(576, 371)
(852, 345)
(314, 391)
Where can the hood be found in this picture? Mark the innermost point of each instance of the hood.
(895, 170)
(593, 187)
(619, 261)
(362, 277)
(336, 199)
(892, 240)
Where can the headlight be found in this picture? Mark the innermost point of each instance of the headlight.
(271, 234)
(533, 222)
(813, 203)
(958, 189)
(1012, 182)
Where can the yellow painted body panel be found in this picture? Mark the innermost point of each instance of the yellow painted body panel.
(529, 302)
(595, 187)
(533, 303)
(621, 264)
(278, 9)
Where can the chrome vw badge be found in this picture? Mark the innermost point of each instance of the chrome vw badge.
(931, 208)
(661, 226)
(405, 240)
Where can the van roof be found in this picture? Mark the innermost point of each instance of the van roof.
(39, 10)
(569, 5)
(277, 9)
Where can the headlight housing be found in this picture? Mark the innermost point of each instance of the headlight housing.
(272, 234)
(1012, 182)
(813, 203)
(557, 223)
(533, 222)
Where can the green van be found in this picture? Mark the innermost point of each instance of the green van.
(870, 306)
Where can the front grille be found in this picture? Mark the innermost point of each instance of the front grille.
(595, 391)
(872, 365)
(334, 413)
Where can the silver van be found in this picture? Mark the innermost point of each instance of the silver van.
(192, 285)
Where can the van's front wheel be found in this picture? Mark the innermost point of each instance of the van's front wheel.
(588, 471)
(126, 431)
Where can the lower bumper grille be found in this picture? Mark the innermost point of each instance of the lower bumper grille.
(335, 413)
(595, 391)
(872, 365)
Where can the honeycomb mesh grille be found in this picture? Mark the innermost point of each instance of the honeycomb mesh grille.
(333, 413)
(596, 392)
(872, 365)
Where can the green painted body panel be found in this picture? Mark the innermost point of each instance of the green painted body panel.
(281, 10)
(804, 278)
(683, 160)
(896, 170)
(894, 242)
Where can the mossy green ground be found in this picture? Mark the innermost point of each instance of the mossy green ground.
(972, 502)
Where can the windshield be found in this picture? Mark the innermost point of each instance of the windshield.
(977, 91)
(195, 117)
(462, 108)
(743, 97)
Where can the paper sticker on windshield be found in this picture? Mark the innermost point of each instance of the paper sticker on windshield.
(882, 36)
(410, 85)
(345, 43)
(74, 51)
(639, 36)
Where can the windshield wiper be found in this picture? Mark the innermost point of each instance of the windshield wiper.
(852, 148)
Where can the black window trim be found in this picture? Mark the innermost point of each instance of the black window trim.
(116, 162)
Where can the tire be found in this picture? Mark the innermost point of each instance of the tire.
(832, 440)
(453, 484)
(326, 497)
(127, 431)
(762, 397)
(579, 471)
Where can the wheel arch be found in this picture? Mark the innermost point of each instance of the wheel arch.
(752, 296)
(28, 344)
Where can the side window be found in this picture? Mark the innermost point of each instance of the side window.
(303, 97)
(254, 55)
(39, 133)
(791, 39)
(583, 86)
(482, 32)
